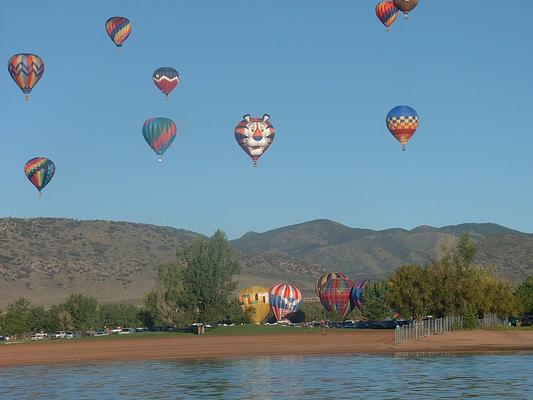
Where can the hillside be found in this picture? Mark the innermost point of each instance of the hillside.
(46, 259)
(365, 253)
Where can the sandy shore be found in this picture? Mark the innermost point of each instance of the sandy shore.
(181, 347)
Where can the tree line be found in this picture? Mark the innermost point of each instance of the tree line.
(199, 287)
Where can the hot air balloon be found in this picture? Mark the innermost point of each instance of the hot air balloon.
(159, 133)
(357, 292)
(166, 79)
(39, 171)
(402, 122)
(322, 279)
(284, 300)
(255, 297)
(26, 70)
(118, 29)
(335, 296)
(255, 135)
(405, 6)
(387, 13)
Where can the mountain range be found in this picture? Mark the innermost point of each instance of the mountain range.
(46, 259)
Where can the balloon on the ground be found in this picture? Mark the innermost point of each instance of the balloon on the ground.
(322, 279)
(255, 297)
(405, 6)
(357, 292)
(166, 79)
(26, 70)
(387, 13)
(39, 171)
(159, 134)
(284, 300)
(255, 135)
(118, 29)
(335, 295)
(402, 122)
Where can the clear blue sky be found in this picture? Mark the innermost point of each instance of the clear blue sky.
(326, 71)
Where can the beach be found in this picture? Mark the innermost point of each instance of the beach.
(202, 347)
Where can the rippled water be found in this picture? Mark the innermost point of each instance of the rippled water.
(312, 377)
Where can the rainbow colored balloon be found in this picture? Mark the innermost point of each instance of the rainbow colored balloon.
(26, 70)
(166, 79)
(284, 300)
(39, 171)
(335, 295)
(159, 133)
(118, 29)
(387, 13)
(402, 122)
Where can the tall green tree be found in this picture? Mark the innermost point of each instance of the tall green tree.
(83, 310)
(17, 317)
(208, 267)
(166, 302)
(375, 301)
(124, 315)
(410, 291)
(524, 295)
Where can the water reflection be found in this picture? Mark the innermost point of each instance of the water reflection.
(415, 376)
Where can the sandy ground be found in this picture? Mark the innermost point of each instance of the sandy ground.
(194, 347)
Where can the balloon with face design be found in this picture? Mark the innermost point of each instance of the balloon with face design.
(255, 135)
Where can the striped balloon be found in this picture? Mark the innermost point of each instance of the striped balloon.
(387, 13)
(39, 171)
(166, 79)
(284, 300)
(335, 296)
(159, 133)
(322, 279)
(402, 122)
(118, 29)
(26, 70)
(357, 292)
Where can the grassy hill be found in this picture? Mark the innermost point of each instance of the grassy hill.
(46, 259)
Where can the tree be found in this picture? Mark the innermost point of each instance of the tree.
(17, 317)
(165, 302)
(410, 291)
(83, 310)
(524, 295)
(208, 267)
(312, 310)
(374, 301)
(39, 319)
(124, 315)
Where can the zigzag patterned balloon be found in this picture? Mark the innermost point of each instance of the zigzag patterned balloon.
(39, 171)
(26, 70)
(166, 79)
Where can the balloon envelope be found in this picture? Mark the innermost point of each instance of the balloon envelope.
(402, 122)
(166, 79)
(357, 292)
(118, 29)
(159, 133)
(255, 297)
(322, 279)
(284, 300)
(26, 70)
(39, 171)
(386, 12)
(405, 5)
(255, 135)
(335, 296)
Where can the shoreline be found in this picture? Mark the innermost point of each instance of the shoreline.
(295, 344)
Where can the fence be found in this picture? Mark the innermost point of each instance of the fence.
(416, 330)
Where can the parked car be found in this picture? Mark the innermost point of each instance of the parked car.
(58, 335)
(38, 336)
(101, 333)
(527, 320)
(69, 335)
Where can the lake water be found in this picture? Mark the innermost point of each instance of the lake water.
(411, 376)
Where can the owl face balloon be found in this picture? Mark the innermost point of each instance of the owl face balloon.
(255, 135)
